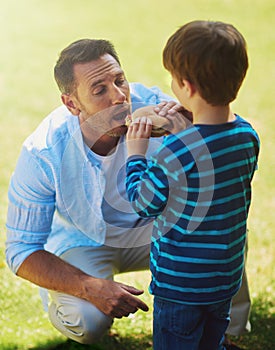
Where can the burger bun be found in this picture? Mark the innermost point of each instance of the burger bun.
(159, 123)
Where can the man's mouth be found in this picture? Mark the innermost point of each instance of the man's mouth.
(121, 112)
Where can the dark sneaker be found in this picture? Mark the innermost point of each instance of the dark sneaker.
(231, 347)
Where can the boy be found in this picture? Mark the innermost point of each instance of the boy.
(197, 186)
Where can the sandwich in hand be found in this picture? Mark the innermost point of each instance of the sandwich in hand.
(159, 124)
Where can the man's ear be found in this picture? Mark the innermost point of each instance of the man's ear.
(70, 103)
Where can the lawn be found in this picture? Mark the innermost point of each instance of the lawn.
(32, 34)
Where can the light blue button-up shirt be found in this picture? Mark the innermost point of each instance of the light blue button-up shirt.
(62, 195)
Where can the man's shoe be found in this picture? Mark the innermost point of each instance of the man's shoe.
(229, 344)
(232, 347)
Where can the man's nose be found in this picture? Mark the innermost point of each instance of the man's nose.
(118, 96)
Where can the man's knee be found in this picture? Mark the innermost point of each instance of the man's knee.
(80, 321)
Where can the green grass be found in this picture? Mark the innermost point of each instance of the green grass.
(32, 34)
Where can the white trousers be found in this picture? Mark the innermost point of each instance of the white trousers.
(240, 310)
(78, 319)
(81, 321)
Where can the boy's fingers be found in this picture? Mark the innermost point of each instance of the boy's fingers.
(140, 127)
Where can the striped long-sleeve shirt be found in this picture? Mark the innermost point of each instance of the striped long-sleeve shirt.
(198, 188)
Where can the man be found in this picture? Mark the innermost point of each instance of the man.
(69, 226)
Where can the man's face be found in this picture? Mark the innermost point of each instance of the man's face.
(102, 95)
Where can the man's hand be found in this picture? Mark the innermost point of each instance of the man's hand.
(49, 271)
(179, 117)
(115, 299)
(138, 135)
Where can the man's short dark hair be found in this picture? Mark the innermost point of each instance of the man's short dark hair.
(81, 51)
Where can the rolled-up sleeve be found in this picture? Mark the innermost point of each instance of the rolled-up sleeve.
(31, 207)
(143, 96)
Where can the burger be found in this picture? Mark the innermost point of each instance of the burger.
(159, 124)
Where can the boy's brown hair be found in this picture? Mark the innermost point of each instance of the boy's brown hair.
(212, 56)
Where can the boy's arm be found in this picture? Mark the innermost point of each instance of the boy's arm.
(147, 188)
(138, 135)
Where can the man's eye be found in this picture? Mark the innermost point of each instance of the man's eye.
(99, 91)
(120, 81)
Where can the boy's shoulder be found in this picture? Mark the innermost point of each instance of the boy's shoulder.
(246, 126)
(200, 134)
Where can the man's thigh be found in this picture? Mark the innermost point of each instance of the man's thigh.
(105, 262)
(133, 259)
(95, 261)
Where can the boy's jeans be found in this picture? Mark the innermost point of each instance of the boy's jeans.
(189, 327)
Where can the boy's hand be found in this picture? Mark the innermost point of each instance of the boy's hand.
(138, 135)
(178, 116)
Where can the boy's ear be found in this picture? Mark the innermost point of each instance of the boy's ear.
(189, 87)
(70, 103)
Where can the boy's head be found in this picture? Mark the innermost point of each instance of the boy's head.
(210, 55)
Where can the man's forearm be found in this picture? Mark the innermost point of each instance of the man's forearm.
(112, 298)
(49, 271)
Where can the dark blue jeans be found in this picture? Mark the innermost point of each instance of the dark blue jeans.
(189, 327)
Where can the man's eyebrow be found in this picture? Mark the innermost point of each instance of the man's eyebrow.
(100, 81)
(97, 82)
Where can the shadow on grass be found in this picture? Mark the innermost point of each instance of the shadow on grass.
(111, 342)
(261, 337)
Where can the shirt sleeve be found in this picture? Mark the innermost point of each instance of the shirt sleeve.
(161, 96)
(30, 211)
(147, 187)
(143, 96)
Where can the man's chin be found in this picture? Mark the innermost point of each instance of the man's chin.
(118, 131)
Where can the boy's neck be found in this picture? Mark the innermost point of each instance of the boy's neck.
(213, 115)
